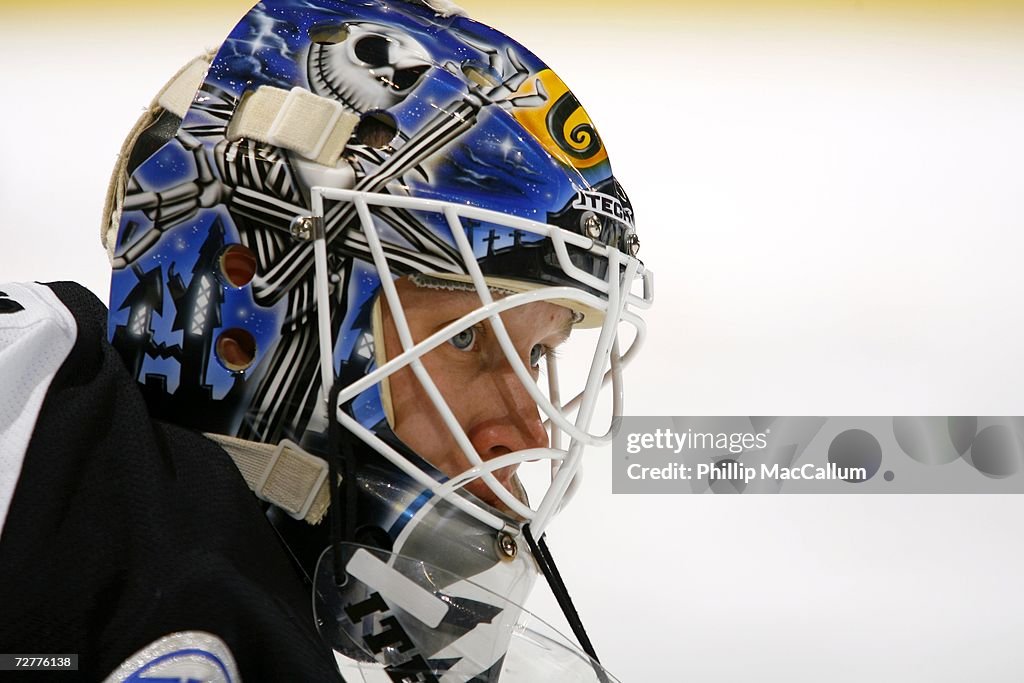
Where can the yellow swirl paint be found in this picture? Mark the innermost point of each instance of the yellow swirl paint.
(561, 124)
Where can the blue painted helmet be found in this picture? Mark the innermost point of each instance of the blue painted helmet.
(266, 205)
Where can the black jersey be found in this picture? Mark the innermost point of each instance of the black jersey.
(124, 533)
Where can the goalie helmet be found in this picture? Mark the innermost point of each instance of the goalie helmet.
(263, 211)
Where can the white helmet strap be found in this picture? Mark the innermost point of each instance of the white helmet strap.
(176, 97)
(285, 475)
(314, 127)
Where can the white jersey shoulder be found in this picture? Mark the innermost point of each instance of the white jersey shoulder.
(37, 333)
(188, 656)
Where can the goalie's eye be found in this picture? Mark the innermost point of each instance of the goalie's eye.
(464, 340)
(536, 353)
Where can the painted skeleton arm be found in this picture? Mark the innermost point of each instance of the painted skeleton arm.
(171, 207)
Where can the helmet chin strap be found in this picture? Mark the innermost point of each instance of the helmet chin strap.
(343, 522)
(539, 549)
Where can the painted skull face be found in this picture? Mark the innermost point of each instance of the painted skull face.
(367, 66)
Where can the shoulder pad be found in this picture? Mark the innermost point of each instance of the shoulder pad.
(37, 332)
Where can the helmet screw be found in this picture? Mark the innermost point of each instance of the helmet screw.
(633, 244)
(304, 227)
(592, 226)
(507, 545)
